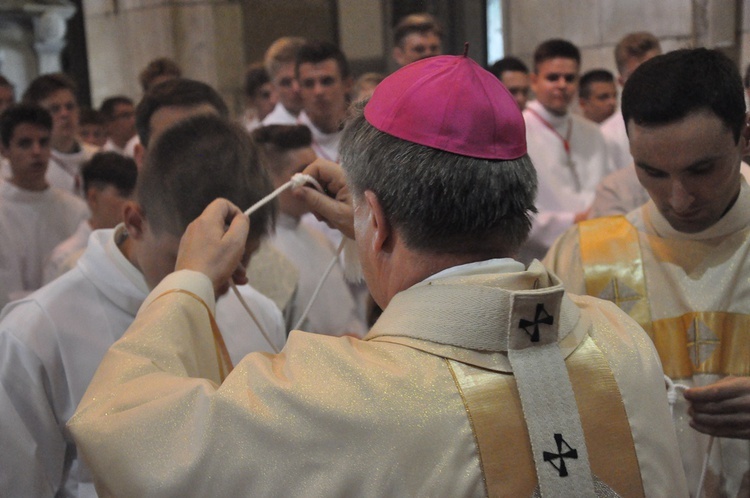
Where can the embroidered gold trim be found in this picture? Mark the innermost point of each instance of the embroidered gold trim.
(613, 265)
(703, 342)
(496, 417)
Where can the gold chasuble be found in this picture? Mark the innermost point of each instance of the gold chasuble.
(691, 293)
(486, 381)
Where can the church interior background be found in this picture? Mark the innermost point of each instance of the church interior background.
(103, 44)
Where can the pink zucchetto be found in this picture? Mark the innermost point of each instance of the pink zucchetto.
(449, 103)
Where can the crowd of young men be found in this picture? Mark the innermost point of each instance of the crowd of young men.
(137, 371)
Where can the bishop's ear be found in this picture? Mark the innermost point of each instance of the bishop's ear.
(134, 219)
(379, 227)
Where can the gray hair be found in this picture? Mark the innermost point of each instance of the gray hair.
(439, 201)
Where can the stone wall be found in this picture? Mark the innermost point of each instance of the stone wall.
(203, 36)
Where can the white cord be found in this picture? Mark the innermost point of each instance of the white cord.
(297, 180)
(252, 315)
(314, 296)
(672, 391)
(704, 470)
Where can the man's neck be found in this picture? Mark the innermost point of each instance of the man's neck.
(331, 124)
(30, 184)
(65, 145)
(414, 267)
(293, 112)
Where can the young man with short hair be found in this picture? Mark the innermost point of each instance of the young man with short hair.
(280, 63)
(259, 96)
(286, 150)
(272, 274)
(57, 94)
(52, 342)
(324, 80)
(415, 37)
(34, 217)
(679, 264)
(597, 95)
(630, 52)
(119, 115)
(108, 181)
(568, 151)
(514, 74)
(91, 127)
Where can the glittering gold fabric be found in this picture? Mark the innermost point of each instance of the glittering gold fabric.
(333, 416)
(613, 267)
(698, 294)
(497, 419)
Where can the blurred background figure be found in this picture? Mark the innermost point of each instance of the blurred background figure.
(91, 127)
(597, 95)
(365, 85)
(108, 181)
(7, 93)
(119, 116)
(514, 74)
(157, 71)
(260, 97)
(415, 37)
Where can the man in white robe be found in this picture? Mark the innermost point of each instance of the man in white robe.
(325, 80)
(630, 52)
(119, 115)
(57, 93)
(679, 263)
(271, 273)
(108, 181)
(34, 217)
(286, 150)
(280, 63)
(426, 405)
(567, 150)
(52, 342)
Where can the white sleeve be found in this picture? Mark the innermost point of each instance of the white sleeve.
(32, 445)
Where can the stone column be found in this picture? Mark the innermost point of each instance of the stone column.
(49, 23)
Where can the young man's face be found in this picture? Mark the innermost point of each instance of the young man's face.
(555, 83)
(63, 107)
(690, 168)
(601, 102)
(287, 89)
(416, 46)
(264, 100)
(324, 93)
(291, 162)
(122, 126)
(7, 97)
(517, 83)
(93, 134)
(28, 153)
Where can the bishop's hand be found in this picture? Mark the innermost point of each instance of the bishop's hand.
(335, 208)
(211, 248)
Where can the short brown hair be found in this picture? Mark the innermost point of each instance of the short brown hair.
(195, 162)
(634, 46)
(416, 23)
(282, 51)
(162, 66)
(47, 84)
